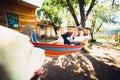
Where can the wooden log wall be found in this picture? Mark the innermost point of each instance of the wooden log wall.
(26, 14)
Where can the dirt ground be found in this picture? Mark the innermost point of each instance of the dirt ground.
(102, 63)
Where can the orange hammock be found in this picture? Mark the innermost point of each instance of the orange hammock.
(57, 50)
(54, 49)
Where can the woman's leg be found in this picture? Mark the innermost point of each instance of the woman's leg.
(58, 41)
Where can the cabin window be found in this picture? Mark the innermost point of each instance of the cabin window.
(13, 20)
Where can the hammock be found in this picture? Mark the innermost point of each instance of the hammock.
(57, 50)
(54, 49)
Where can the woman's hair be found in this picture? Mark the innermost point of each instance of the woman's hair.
(87, 30)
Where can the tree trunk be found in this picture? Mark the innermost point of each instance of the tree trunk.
(92, 38)
(55, 29)
(70, 8)
(82, 12)
(92, 30)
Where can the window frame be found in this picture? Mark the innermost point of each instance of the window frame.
(12, 14)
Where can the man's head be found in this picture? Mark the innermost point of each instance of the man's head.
(80, 31)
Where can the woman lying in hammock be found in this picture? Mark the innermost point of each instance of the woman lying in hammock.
(76, 38)
(79, 39)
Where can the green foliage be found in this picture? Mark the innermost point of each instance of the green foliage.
(50, 13)
(102, 13)
(56, 11)
(87, 2)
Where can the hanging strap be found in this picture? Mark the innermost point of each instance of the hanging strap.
(33, 36)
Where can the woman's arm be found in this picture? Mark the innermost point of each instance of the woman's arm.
(84, 42)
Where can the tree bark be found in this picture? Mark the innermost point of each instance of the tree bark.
(70, 8)
(82, 12)
(91, 33)
(55, 29)
(92, 29)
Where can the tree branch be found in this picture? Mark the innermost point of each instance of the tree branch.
(71, 9)
(99, 28)
(90, 8)
(113, 2)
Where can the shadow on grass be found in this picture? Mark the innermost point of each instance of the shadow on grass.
(104, 71)
(77, 67)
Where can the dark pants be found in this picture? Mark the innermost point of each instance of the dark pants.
(75, 43)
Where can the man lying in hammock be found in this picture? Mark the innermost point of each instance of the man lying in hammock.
(77, 38)
(63, 39)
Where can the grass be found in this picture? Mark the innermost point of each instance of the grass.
(46, 40)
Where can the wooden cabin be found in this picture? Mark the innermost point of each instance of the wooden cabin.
(48, 30)
(16, 14)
